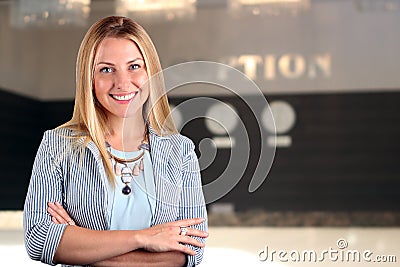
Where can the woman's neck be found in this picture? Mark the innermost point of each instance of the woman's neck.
(126, 133)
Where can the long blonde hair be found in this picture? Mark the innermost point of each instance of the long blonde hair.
(89, 118)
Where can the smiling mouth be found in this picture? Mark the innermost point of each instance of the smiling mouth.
(124, 97)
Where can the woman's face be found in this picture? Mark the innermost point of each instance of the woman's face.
(120, 72)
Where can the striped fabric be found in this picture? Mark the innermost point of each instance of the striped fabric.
(77, 179)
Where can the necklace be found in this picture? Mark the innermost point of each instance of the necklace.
(127, 173)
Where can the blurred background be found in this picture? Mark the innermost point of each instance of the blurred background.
(329, 70)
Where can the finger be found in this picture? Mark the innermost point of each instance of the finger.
(191, 241)
(54, 208)
(189, 231)
(186, 250)
(188, 222)
(196, 232)
(51, 212)
(54, 220)
(56, 216)
(60, 211)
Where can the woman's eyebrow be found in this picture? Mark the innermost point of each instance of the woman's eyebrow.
(136, 59)
(105, 63)
(112, 64)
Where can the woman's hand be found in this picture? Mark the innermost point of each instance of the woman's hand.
(58, 214)
(169, 236)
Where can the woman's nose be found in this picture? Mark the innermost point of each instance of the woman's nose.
(123, 81)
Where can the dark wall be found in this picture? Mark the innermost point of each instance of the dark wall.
(19, 135)
(344, 154)
(24, 121)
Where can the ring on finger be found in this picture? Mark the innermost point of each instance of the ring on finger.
(71, 222)
(183, 230)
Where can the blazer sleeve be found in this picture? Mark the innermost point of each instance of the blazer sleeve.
(42, 236)
(192, 204)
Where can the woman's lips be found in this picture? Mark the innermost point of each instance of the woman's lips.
(126, 97)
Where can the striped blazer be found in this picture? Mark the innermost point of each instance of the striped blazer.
(77, 179)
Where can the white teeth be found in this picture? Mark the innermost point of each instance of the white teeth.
(124, 97)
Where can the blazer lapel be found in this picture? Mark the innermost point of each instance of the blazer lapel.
(99, 162)
(167, 194)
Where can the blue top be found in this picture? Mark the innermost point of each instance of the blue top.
(134, 211)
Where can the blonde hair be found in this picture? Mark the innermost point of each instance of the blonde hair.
(89, 117)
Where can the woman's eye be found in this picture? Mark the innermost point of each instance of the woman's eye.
(106, 70)
(134, 66)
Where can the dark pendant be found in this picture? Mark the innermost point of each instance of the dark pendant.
(126, 190)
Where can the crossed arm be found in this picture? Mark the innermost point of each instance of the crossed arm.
(160, 245)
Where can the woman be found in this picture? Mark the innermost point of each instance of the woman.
(129, 185)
